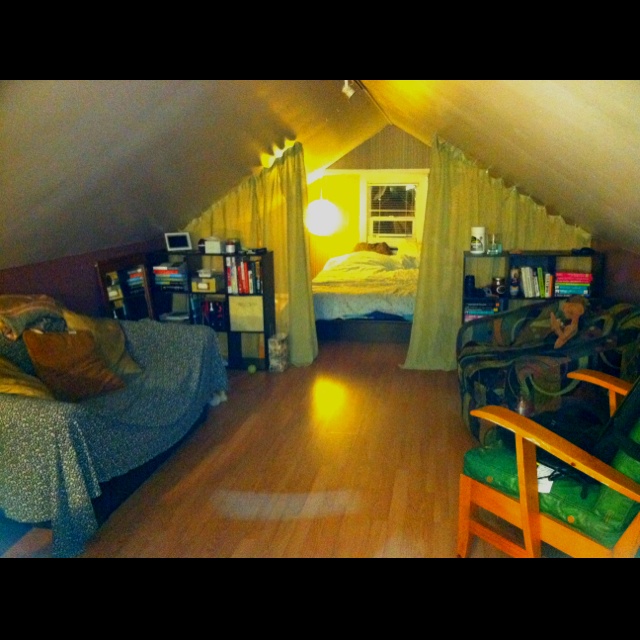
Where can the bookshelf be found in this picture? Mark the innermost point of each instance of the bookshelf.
(233, 293)
(554, 274)
(125, 287)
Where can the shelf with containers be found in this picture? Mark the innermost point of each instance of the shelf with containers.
(494, 283)
(231, 292)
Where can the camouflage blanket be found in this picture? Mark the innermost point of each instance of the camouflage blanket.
(509, 357)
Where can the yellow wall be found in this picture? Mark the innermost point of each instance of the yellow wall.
(344, 192)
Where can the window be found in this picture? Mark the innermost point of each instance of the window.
(391, 210)
(391, 204)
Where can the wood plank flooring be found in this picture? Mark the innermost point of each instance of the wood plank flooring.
(351, 457)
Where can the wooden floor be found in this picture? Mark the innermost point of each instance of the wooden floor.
(351, 457)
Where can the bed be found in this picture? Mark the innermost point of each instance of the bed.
(367, 296)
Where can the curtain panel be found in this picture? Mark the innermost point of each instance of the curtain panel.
(267, 210)
(462, 195)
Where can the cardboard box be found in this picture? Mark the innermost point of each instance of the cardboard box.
(246, 313)
(213, 245)
(208, 285)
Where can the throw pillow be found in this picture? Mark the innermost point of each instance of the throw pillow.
(16, 382)
(70, 364)
(378, 247)
(110, 341)
(20, 312)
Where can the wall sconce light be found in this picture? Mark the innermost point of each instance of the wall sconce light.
(347, 89)
(323, 218)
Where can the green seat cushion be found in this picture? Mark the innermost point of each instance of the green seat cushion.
(578, 505)
(611, 505)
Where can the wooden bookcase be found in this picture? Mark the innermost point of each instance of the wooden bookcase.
(125, 287)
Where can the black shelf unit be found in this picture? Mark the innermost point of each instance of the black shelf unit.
(244, 320)
(550, 261)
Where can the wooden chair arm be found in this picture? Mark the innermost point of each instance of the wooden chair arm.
(561, 448)
(615, 386)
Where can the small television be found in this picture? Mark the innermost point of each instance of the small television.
(178, 241)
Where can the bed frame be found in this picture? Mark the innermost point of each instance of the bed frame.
(364, 330)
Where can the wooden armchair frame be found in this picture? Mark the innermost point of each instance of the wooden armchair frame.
(524, 512)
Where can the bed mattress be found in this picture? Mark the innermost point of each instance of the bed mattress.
(366, 285)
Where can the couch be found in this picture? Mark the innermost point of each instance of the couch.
(84, 401)
(514, 359)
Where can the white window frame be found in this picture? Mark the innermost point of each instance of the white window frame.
(396, 177)
(409, 217)
(420, 177)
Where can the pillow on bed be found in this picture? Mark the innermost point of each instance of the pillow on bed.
(110, 341)
(70, 364)
(14, 381)
(378, 247)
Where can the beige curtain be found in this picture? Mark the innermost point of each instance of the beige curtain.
(462, 195)
(267, 210)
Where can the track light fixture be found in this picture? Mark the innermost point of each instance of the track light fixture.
(347, 89)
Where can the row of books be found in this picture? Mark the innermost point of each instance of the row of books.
(134, 283)
(481, 309)
(171, 276)
(537, 283)
(573, 283)
(244, 274)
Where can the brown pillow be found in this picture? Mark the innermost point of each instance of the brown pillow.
(16, 382)
(70, 364)
(110, 340)
(378, 247)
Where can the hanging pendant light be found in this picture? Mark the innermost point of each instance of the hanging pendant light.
(323, 218)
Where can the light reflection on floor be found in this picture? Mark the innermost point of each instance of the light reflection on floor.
(246, 505)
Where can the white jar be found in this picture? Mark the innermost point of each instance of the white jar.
(478, 240)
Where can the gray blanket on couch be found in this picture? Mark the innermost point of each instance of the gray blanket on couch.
(54, 455)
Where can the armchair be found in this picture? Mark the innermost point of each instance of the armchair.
(511, 357)
(596, 517)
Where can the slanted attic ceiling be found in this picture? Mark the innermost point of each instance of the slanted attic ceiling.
(92, 164)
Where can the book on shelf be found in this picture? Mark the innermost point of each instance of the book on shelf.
(481, 308)
(165, 273)
(528, 289)
(114, 292)
(536, 282)
(171, 278)
(168, 266)
(177, 286)
(536, 287)
(540, 283)
(243, 274)
(548, 285)
(564, 290)
(251, 276)
(574, 276)
(243, 286)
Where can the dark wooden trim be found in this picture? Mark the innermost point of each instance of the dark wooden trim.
(357, 330)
